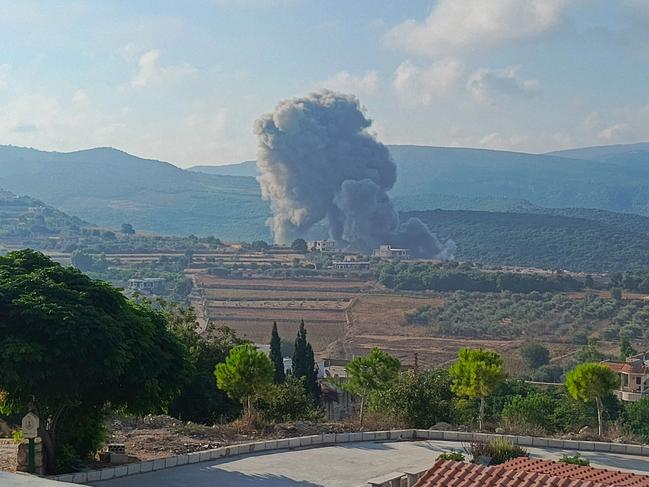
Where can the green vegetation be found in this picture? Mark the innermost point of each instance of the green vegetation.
(288, 401)
(537, 240)
(276, 355)
(450, 276)
(476, 374)
(535, 355)
(70, 345)
(575, 459)
(637, 419)
(245, 375)
(592, 382)
(370, 374)
(299, 245)
(419, 400)
(496, 451)
(304, 366)
(508, 315)
(454, 456)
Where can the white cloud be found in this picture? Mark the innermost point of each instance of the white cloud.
(150, 72)
(460, 25)
(421, 85)
(80, 96)
(345, 82)
(615, 132)
(485, 85)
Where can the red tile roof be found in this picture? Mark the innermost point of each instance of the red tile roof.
(626, 367)
(526, 472)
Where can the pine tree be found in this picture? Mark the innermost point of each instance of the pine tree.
(276, 355)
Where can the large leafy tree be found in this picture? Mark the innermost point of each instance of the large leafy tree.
(246, 374)
(276, 355)
(592, 382)
(476, 374)
(369, 374)
(69, 345)
(200, 400)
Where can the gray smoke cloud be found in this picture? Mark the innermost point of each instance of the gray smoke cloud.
(317, 160)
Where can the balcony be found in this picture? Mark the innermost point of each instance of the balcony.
(630, 396)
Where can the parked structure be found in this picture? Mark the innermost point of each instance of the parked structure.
(321, 246)
(634, 377)
(152, 285)
(389, 252)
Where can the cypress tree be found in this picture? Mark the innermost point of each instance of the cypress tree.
(304, 364)
(299, 354)
(276, 355)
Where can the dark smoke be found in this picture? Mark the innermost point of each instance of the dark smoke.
(316, 160)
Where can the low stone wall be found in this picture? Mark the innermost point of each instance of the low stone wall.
(8, 454)
(328, 439)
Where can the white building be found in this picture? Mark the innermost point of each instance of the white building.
(321, 246)
(389, 252)
(153, 285)
(349, 265)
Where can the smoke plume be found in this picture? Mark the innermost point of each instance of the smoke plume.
(316, 161)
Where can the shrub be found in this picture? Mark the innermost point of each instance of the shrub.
(533, 412)
(637, 418)
(288, 402)
(535, 355)
(575, 459)
(452, 455)
(498, 450)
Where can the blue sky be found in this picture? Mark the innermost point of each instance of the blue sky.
(184, 81)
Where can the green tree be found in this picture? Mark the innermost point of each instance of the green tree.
(592, 382)
(200, 400)
(299, 245)
(534, 411)
(127, 229)
(82, 261)
(420, 400)
(70, 345)
(370, 374)
(476, 374)
(616, 293)
(259, 246)
(304, 363)
(637, 418)
(288, 401)
(535, 355)
(246, 374)
(276, 355)
(626, 349)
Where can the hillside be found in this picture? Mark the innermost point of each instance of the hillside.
(245, 168)
(548, 181)
(24, 217)
(110, 187)
(537, 240)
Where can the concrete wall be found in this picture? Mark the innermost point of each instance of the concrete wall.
(327, 439)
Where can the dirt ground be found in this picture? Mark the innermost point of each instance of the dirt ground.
(162, 436)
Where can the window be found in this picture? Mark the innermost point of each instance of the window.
(638, 380)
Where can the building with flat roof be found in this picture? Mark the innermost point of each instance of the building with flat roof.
(321, 246)
(350, 265)
(389, 252)
(152, 285)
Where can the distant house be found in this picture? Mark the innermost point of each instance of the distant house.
(321, 246)
(634, 377)
(349, 265)
(389, 252)
(151, 285)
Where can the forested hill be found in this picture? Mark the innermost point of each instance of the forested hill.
(538, 240)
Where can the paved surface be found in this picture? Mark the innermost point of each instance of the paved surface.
(24, 480)
(345, 465)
